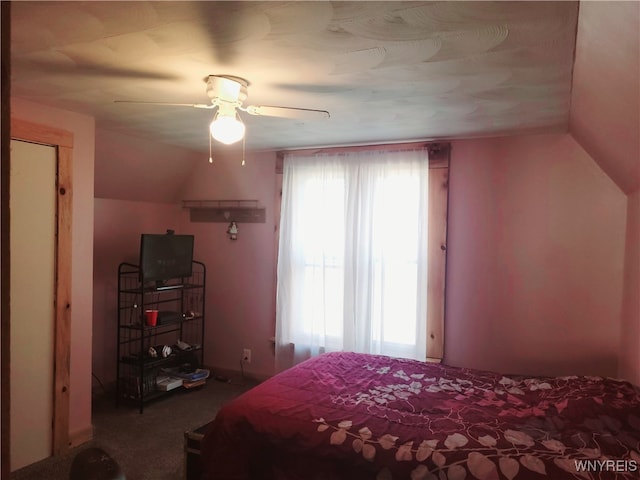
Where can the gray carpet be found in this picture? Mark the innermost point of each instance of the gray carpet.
(148, 446)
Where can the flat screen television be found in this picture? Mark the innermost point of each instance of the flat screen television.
(165, 256)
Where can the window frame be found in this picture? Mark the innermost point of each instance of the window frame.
(439, 159)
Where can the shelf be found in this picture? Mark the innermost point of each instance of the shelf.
(225, 211)
(173, 299)
(165, 288)
(149, 362)
(138, 326)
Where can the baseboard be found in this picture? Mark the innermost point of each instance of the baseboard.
(81, 436)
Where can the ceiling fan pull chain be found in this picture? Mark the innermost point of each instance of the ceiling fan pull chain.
(244, 139)
(210, 157)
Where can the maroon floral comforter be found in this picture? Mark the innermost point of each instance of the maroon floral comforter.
(352, 416)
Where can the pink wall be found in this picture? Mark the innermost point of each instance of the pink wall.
(240, 288)
(535, 258)
(630, 344)
(138, 189)
(117, 230)
(241, 273)
(83, 129)
(605, 120)
(131, 168)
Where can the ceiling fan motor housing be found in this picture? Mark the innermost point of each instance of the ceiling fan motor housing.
(227, 88)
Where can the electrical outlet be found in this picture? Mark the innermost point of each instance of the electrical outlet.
(246, 355)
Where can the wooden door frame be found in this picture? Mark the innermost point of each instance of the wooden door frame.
(5, 284)
(63, 142)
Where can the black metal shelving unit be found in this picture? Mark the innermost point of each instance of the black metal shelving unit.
(181, 307)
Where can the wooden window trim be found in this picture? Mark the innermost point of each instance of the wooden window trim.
(437, 250)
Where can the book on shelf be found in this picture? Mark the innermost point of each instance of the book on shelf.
(195, 383)
(197, 374)
(168, 383)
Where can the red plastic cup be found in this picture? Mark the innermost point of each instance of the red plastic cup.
(152, 317)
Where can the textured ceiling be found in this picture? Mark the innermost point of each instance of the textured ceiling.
(386, 71)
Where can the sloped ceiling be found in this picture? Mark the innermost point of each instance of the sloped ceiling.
(386, 71)
(605, 100)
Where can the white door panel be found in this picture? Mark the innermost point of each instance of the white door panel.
(33, 226)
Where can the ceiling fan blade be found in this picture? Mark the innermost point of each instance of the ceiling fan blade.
(86, 68)
(287, 112)
(207, 106)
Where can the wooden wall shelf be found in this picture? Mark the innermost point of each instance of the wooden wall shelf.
(225, 211)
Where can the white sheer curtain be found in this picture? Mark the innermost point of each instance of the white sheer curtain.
(352, 258)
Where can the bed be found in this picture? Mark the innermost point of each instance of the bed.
(348, 416)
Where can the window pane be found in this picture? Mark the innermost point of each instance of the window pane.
(397, 231)
(323, 245)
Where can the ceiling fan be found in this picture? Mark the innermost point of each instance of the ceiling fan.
(228, 93)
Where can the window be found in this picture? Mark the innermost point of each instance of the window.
(352, 260)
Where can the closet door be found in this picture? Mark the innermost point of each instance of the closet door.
(33, 243)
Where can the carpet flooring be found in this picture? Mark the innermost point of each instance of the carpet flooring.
(147, 446)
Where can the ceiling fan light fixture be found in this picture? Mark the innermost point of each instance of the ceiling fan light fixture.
(227, 129)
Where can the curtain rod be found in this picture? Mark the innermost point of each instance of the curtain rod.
(353, 148)
(439, 152)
